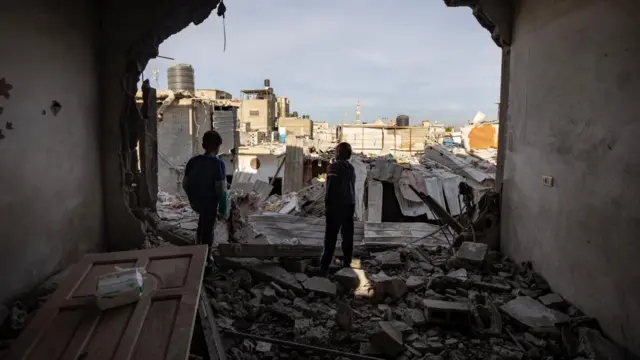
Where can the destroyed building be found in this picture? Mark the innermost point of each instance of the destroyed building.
(566, 168)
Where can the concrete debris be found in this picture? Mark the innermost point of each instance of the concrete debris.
(472, 252)
(532, 314)
(552, 300)
(344, 316)
(388, 286)
(388, 339)
(416, 301)
(389, 259)
(350, 278)
(320, 285)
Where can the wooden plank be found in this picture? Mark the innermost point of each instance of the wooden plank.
(375, 201)
(272, 250)
(69, 326)
(215, 347)
(293, 168)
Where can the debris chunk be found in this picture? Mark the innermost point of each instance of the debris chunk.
(551, 300)
(473, 252)
(320, 285)
(533, 314)
(414, 282)
(350, 278)
(389, 260)
(387, 339)
(344, 316)
(385, 285)
(438, 311)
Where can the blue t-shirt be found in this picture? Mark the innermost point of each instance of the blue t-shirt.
(201, 174)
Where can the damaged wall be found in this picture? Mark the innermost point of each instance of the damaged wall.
(50, 199)
(573, 115)
(131, 34)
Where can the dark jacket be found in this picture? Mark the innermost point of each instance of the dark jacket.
(341, 184)
(200, 176)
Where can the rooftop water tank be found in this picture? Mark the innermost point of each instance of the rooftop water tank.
(180, 77)
(402, 120)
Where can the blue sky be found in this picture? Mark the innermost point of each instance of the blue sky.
(421, 59)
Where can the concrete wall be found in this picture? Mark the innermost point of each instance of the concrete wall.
(260, 122)
(50, 200)
(175, 146)
(574, 115)
(268, 166)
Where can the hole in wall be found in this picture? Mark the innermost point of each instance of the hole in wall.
(55, 107)
(5, 88)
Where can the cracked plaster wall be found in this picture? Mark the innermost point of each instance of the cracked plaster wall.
(63, 186)
(50, 195)
(574, 115)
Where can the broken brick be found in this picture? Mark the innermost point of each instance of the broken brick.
(350, 278)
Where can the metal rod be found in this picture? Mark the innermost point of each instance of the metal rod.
(295, 345)
(165, 57)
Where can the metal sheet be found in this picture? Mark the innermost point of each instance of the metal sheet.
(404, 233)
(307, 230)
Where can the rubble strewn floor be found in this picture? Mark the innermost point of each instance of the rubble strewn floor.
(409, 303)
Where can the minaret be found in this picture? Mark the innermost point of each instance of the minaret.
(358, 112)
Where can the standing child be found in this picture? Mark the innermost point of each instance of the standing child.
(206, 187)
(340, 200)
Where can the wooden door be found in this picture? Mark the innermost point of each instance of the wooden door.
(159, 326)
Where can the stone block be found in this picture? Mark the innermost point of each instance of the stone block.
(552, 300)
(472, 252)
(414, 282)
(350, 278)
(389, 259)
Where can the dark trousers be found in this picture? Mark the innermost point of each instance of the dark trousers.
(206, 223)
(339, 218)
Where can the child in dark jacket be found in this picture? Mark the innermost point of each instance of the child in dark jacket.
(205, 184)
(340, 200)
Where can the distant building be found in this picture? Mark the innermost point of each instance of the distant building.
(282, 107)
(258, 109)
(213, 94)
(297, 126)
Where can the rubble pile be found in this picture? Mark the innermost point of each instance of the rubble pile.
(408, 303)
(309, 201)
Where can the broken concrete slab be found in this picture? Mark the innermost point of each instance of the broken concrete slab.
(387, 339)
(389, 259)
(414, 282)
(301, 327)
(552, 300)
(532, 314)
(296, 266)
(437, 311)
(263, 271)
(472, 252)
(460, 274)
(320, 285)
(385, 285)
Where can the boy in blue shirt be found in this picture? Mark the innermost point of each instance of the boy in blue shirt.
(206, 187)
